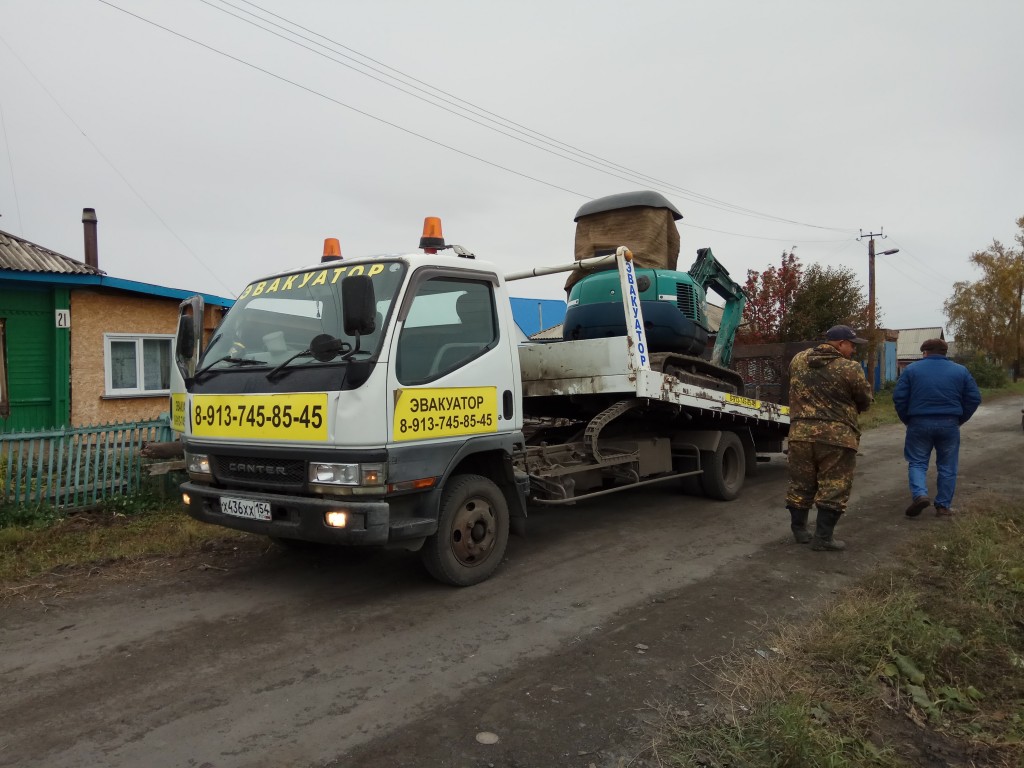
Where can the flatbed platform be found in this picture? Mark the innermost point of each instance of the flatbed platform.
(553, 370)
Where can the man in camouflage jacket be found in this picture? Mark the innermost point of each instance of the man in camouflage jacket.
(826, 392)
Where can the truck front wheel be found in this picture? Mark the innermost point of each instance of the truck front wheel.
(724, 469)
(472, 532)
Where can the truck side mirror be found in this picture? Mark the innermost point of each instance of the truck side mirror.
(188, 341)
(359, 305)
(186, 337)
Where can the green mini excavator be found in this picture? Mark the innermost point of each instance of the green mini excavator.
(674, 303)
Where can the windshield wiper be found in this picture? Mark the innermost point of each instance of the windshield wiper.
(323, 347)
(304, 353)
(226, 359)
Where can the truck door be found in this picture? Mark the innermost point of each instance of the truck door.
(453, 374)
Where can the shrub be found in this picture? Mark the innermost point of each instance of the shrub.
(985, 372)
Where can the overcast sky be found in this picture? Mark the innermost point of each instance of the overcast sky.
(215, 151)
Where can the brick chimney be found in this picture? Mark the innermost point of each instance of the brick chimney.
(92, 257)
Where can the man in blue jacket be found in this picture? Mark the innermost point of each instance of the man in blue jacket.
(933, 397)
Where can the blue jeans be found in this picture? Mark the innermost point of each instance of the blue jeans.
(941, 434)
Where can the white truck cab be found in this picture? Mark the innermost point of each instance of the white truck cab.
(335, 400)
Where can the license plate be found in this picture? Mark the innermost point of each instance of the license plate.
(250, 508)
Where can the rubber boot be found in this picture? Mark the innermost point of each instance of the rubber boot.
(799, 524)
(826, 523)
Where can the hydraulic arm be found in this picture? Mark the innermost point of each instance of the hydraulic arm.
(709, 274)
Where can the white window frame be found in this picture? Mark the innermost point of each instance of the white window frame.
(138, 338)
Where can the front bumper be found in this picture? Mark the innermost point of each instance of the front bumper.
(370, 523)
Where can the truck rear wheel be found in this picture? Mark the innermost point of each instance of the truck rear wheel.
(472, 532)
(724, 469)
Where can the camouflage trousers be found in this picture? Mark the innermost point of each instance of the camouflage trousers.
(820, 474)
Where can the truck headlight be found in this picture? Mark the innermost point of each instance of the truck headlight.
(346, 474)
(198, 463)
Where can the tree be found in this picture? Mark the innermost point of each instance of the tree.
(826, 296)
(769, 295)
(985, 316)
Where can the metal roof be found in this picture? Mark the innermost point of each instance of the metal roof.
(23, 256)
(21, 260)
(908, 345)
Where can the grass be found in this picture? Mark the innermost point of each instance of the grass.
(924, 660)
(100, 537)
(927, 655)
(883, 412)
(1015, 388)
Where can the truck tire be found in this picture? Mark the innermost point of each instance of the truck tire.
(724, 469)
(472, 532)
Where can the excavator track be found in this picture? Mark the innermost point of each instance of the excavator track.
(698, 372)
(598, 423)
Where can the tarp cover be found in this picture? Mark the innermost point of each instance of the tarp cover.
(650, 233)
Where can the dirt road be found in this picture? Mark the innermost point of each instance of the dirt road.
(253, 657)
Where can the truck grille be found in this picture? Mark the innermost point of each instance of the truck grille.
(283, 473)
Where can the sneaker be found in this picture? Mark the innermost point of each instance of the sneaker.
(943, 512)
(918, 505)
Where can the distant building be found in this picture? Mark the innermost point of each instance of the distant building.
(908, 345)
(534, 316)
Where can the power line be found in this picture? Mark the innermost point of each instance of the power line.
(928, 269)
(608, 168)
(10, 162)
(331, 99)
(427, 100)
(118, 172)
(686, 224)
(691, 195)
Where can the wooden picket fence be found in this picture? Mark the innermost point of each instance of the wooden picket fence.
(75, 467)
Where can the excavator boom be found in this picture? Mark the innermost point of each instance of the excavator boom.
(709, 274)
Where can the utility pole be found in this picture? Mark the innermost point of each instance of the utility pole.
(872, 348)
(1020, 302)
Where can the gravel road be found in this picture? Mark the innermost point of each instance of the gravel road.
(254, 657)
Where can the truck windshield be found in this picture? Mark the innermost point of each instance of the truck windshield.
(275, 319)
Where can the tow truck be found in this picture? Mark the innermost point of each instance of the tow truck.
(389, 401)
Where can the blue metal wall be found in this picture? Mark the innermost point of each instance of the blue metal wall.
(886, 369)
(533, 315)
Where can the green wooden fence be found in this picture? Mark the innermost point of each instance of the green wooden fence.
(75, 467)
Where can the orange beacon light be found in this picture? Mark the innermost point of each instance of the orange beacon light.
(432, 239)
(332, 249)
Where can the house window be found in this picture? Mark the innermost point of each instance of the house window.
(137, 365)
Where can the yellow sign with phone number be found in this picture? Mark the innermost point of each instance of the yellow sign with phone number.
(299, 416)
(178, 416)
(749, 403)
(425, 413)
